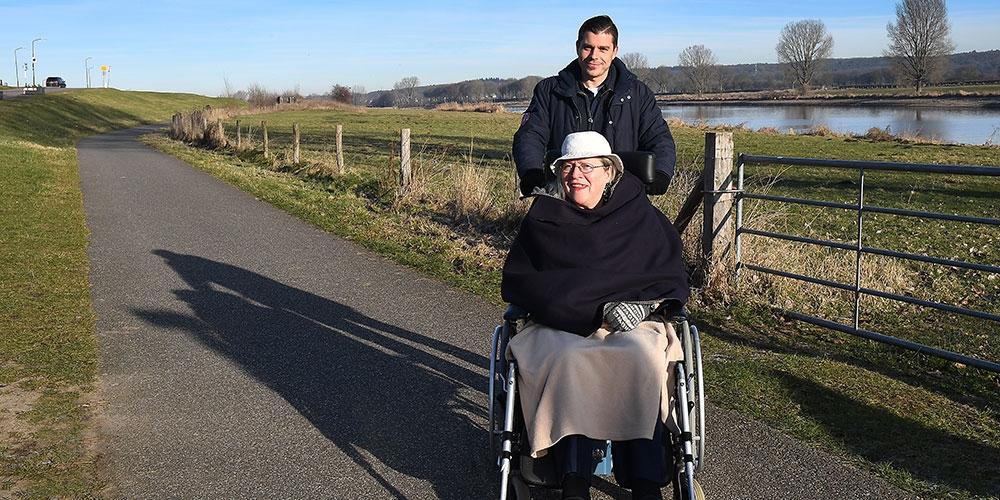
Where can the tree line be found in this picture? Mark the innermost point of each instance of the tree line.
(867, 72)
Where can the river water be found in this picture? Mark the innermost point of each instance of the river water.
(954, 125)
(950, 125)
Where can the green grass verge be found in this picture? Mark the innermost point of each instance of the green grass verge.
(48, 354)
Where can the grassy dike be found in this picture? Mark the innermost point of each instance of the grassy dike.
(930, 427)
(48, 354)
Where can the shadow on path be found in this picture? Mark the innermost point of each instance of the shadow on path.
(385, 396)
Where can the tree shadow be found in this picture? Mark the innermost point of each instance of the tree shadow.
(942, 458)
(380, 393)
(802, 339)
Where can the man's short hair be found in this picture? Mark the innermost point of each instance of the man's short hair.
(598, 25)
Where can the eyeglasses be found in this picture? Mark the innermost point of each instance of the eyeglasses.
(584, 168)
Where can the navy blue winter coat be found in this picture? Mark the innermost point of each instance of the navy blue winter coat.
(626, 114)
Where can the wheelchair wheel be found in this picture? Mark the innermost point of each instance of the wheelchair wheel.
(691, 345)
(497, 388)
(517, 488)
(681, 489)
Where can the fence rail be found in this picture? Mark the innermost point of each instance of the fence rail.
(859, 249)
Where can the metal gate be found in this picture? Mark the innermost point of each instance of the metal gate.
(859, 249)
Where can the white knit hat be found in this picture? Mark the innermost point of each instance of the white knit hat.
(588, 144)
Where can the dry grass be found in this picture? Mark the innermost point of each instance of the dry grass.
(823, 131)
(478, 107)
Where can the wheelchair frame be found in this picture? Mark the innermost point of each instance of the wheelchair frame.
(507, 439)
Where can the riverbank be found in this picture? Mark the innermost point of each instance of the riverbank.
(788, 98)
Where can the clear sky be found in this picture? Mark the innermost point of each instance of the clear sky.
(198, 46)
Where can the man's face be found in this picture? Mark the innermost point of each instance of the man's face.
(595, 53)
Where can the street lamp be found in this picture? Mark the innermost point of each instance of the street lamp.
(16, 68)
(87, 69)
(33, 84)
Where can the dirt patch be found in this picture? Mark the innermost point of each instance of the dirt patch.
(16, 439)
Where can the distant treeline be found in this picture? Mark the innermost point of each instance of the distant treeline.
(858, 72)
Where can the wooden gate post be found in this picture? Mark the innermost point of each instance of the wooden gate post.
(717, 237)
(340, 149)
(295, 148)
(239, 137)
(263, 126)
(404, 160)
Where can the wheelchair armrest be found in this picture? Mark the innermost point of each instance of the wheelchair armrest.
(514, 313)
(640, 164)
(673, 310)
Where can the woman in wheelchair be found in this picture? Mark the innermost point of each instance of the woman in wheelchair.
(596, 265)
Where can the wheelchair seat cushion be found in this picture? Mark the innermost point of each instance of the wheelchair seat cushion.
(605, 386)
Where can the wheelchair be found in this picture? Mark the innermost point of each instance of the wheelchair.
(684, 450)
(683, 446)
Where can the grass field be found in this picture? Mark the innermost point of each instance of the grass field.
(929, 426)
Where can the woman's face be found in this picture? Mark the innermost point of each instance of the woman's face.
(584, 188)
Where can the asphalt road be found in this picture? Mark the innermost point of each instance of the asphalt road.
(246, 354)
(17, 93)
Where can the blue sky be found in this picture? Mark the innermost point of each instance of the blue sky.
(198, 46)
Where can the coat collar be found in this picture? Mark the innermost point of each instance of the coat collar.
(619, 78)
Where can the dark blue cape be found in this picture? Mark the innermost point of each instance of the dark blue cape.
(567, 262)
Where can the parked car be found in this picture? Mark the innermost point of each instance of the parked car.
(55, 81)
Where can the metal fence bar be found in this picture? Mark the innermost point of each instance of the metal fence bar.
(880, 210)
(857, 250)
(873, 251)
(906, 344)
(875, 293)
(798, 239)
(800, 277)
(923, 168)
(931, 215)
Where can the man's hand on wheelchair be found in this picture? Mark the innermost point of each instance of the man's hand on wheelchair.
(659, 185)
(530, 180)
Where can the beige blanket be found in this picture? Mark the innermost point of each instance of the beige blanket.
(605, 386)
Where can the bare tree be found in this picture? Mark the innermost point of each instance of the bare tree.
(919, 39)
(471, 91)
(230, 91)
(528, 84)
(803, 47)
(634, 60)
(700, 65)
(359, 95)
(637, 63)
(406, 90)
(260, 97)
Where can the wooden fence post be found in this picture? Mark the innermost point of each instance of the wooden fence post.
(340, 149)
(263, 126)
(295, 147)
(717, 236)
(239, 137)
(404, 160)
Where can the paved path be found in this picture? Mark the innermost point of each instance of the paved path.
(246, 354)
